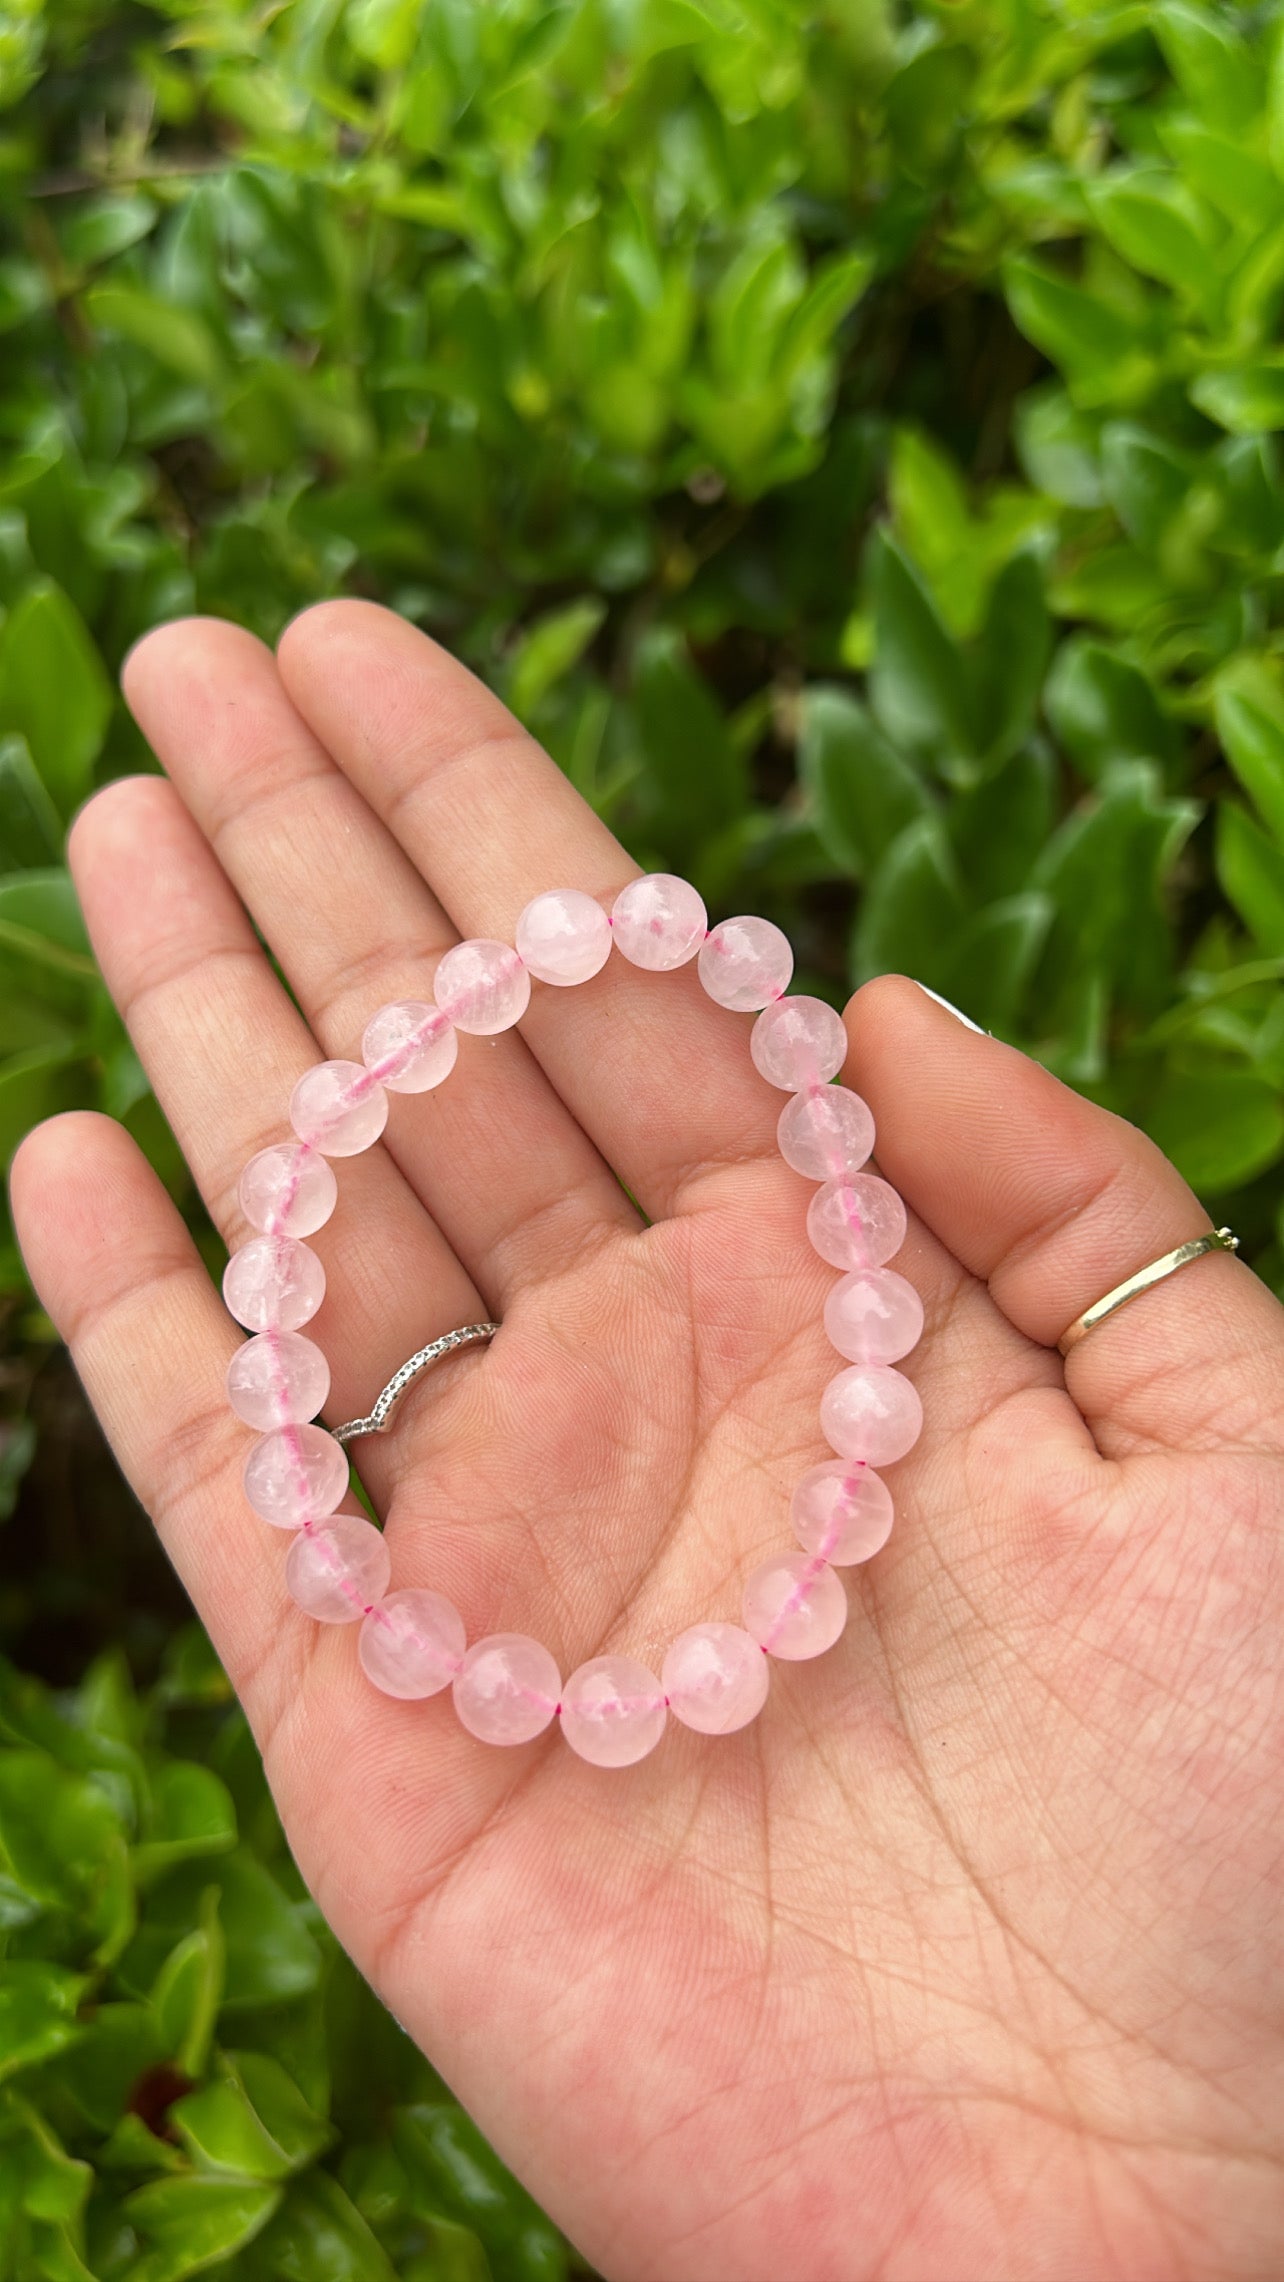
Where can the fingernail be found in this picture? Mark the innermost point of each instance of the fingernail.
(957, 1012)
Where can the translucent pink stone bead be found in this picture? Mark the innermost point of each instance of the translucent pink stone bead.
(339, 1570)
(842, 1512)
(825, 1133)
(871, 1412)
(483, 987)
(856, 1223)
(564, 936)
(613, 1711)
(794, 1606)
(411, 1644)
(273, 1283)
(409, 1046)
(277, 1379)
(338, 1108)
(874, 1316)
(798, 1042)
(288, 1190)
(659, 922)
(507, 1688)
(745, 963)
(715, 1678)
(295, 1474)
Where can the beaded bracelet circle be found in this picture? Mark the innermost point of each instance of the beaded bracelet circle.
(507, 1688)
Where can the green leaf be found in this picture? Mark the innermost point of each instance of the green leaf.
(549, 649)
(270, 1955)
(102, 227)
(917, 682)
(250, 2122)
(191, 1815)
(912, 909)
(40, 923)
(999, 827)
(443, 2150)
(62, 1842)
(1007, 665)
(1220, 1126)
(993, 957)
(1248, 707)
(188, 1990)
(29, 1091)
(862, 792)
(188, 2225)
(1059, 446)
(696, 782)
(318, 2235)
(1103, 709)
(54, 691)
(1146, 482)
(38, 2006)
(1104, 355)
(1213, 66)
(178, 340)
(1248, 399)
(1106, 870)
(1229, 174)
(1251, 870)
(1158, 225)
(30, 826)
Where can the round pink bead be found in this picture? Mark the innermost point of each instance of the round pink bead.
(856, 1223)
(295, 1474)
(871, 1412)
(288, 1190)
(613, 1711)
(339, 1570)
(411, 1645)
(825, 1133)
(794, 1606)
(409, 1046)
(745, 963)
(273, 1284)
(338, 1108)
(507, 1688)
(798, 1042)
(564, 936)
(842, 1512)
(659, 922)
(483, 987)
(277, 1379)
(874, 1316)
(715, 1678)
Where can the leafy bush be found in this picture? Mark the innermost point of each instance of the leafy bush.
(845, 432)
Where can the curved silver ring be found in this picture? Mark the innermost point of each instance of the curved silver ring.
(376, 1421)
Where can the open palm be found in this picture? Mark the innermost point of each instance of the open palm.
(965, 1959)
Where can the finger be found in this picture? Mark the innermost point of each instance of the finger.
(1055, 1201)
(223, 1046)
(509, 1177)
(657, 1074)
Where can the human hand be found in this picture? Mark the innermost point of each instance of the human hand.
(964, 1960)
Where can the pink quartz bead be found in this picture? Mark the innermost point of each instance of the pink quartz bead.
(277, 1379)
(794, 1606)
(872, 1412)
(564, 936)
(288, 1190)
(659, 922)
(338, 1108)
(409, 1046)
(715, 1678)
(507, 1688)
(411, 1644)
(273, 1284)
(745, 963)
(294, 1475)
(856, 1223)
(842, 1512)
(825, 1133)
(613, 1711)
(337, 1571)
(798, 1042)
(483, 987)
(874, 1316)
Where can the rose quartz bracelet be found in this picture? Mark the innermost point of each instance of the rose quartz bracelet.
(507, 1688)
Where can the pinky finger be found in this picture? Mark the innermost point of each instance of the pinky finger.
(119, 1274)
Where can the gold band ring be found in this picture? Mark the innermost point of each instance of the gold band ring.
(1217, 1240)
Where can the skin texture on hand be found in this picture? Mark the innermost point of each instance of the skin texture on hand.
(967, 1958)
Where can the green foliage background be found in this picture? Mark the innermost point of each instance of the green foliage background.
(847, 435)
